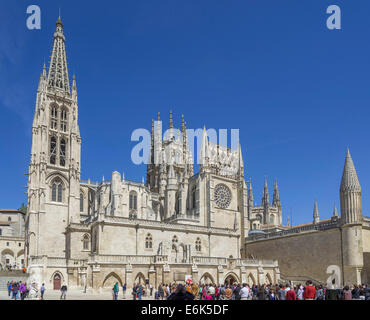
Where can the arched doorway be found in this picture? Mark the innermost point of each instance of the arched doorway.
(57, 281)
(110, 280)
(268, 279)
(140, 279)
(231, 278)
(7, 256)
(206, 279)
(251, 280)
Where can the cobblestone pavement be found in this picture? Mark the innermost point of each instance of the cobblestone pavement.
(77, 295)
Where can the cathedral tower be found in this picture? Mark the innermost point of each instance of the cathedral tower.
(54, 169)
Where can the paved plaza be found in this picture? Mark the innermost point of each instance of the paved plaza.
(77, 295)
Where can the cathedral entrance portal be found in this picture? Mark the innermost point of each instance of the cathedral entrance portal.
(206, 279)
(57, 282)
(140, 279)
(231, 279)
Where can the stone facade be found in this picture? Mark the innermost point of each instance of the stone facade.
(176, 223)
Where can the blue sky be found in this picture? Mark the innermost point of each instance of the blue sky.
(298, 92)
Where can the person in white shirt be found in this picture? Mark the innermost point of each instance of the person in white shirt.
(244, 292)
(212, 291)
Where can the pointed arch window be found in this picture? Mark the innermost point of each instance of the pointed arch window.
(193, 196)
(57, 191)
(63, 120)
(86, 242)
(133, 200)
(177, 203)
(272, 219)
(198, 245)
(62, 156)
(54, 118)
(91, 199)
(81, 202)
(53, 150)
(148, 241)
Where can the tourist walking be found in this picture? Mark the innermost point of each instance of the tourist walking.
(139, 292)
(134, 291)
(356, 293)
(42, 290)
(63, 289)
(310, 291)
(15, 291)
(10, 284)
(22, 290)
(217, 293)
(244, 292)
(115, 291)
(228, 293)
(347, 294)
(281, 293)
(208, 296)
(261, 295)
(320, 293)
(160, 292)
(300, 293)
(291, 295)
(271, 295)
(212, 291)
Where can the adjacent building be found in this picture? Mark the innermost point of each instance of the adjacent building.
(12, 232)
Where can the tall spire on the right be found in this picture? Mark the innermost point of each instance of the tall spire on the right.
(350, 180)
(350, 193)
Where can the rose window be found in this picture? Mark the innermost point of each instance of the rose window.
(222, 196)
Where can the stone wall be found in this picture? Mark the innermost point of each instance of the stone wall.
(305, 255)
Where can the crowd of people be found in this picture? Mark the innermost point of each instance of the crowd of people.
(193, 291)
(14, 267)
(20, 290)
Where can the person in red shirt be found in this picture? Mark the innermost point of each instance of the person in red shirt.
(291, 295)
(217, 293)
(310, 291)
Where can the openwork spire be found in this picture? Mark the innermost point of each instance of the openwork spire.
(171, 120)
(350, 180)
(58, 71)
(276, 197)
